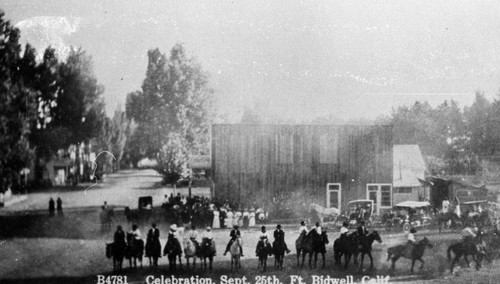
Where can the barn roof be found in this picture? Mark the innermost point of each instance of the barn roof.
(408, 166)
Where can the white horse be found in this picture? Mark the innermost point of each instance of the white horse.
(235, 251)
(189, 251)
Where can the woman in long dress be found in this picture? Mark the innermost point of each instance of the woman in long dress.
(216, 221)
(236, 218)
(251, 217)
(229, 219)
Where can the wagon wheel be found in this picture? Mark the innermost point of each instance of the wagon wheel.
(406, 227)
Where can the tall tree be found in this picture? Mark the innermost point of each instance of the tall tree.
(173, 111)
(17, 102)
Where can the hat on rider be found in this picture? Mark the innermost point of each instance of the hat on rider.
(173, 227)
(413, 231)
(263, 227)
(345, 224)
(236, 227)
(302, 223)
(278, 226)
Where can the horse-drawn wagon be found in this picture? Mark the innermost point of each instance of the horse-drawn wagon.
(143, 212)
(407, 215)
(360, 210)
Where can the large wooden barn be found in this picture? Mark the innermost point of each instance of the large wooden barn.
(327, 164)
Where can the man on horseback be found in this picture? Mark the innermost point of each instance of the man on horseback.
(193, 236)
(410, 244)
(303, 228)
(210, 237)
(153, 245)
(279, 236)
(136, 232)
(317, 228)
(235, 233)
(119, 238)
(263, 240)
(344, 230)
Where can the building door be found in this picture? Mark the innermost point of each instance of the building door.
(381, 194)
(333, 195)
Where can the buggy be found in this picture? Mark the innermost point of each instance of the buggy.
(360, 210)
(412, 214)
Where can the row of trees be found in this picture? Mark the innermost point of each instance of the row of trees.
(47, 105)
(51, 104)
(454, 140)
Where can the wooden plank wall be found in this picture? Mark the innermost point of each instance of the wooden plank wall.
(248, 163)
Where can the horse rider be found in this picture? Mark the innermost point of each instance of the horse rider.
(344, 230)
(136, 232)
(119, 238)
(153, 244)
(235, 233)
(317, 228)
(469, 235)
(193, 236)
(410, 243)
(303, 228)
(279, 236)
(264, 238)
(210, 237)
(362, 231)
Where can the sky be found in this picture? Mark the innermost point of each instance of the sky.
(298, 59)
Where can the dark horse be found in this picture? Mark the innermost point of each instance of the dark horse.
(262, 251)
(396, 252)
(312, 243)
(279, 248)
(118, 253)
(365, 247)
(173, 250)
(207, 250)
(348, 246)
(135, 250)
(464, 249)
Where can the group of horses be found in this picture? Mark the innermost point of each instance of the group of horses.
(134, 250)
(352, 245)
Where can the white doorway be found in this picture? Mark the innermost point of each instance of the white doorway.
(334, 195)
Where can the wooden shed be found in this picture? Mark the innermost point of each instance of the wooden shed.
(326, 164)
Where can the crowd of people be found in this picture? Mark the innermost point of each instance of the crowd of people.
(203, 212)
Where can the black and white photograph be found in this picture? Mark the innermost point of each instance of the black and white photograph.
(249, 141)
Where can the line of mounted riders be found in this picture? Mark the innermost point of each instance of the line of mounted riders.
(310, 242)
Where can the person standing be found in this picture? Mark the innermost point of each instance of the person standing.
(153, 245)
(52, 207)
(251, 217)
(216, 220)
(59, 207)
(245, 218)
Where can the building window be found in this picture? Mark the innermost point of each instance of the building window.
(381, 194)
(403, 190)
(328, 148)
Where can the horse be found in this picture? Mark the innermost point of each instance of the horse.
(365, 247)
(279, 248)
(321, 247)
(312, 243)
(190, 251)
(173, 249)
(207, 250)
(135, 250)
(262, 251)
(235, 251)
(347, 246)
(153, 250)
(464, 249)
(118, 253)
(396, 252)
